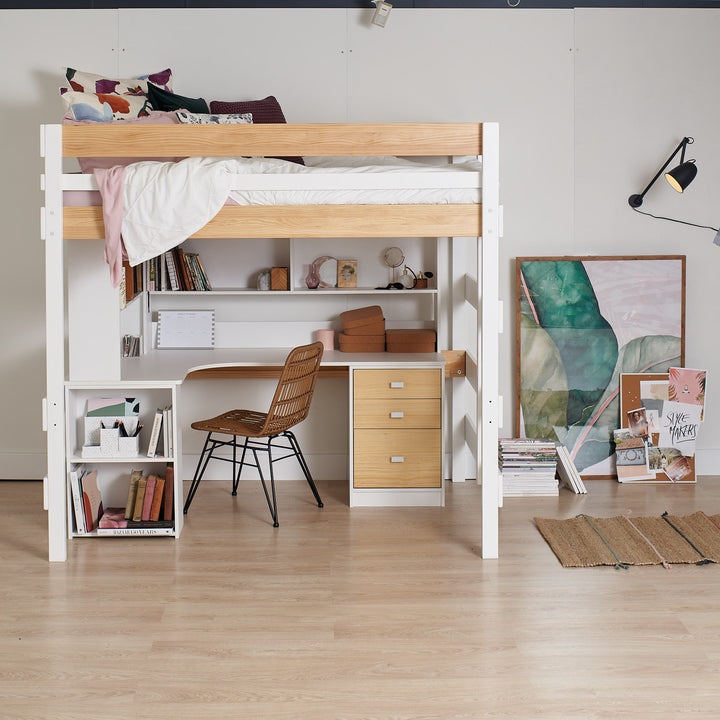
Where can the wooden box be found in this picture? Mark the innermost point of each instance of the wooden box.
(279, 278)
(361, 316)
(361, 343)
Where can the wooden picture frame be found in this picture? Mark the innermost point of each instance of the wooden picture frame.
(580, 323)
(347, 273)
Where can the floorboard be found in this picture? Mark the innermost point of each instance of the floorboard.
(387, 614)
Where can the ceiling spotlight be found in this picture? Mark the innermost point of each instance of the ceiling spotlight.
(382, 12)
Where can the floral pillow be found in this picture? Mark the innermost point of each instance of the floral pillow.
(87, 96)
(214, 119)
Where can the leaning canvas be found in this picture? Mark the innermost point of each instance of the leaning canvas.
(581, 322)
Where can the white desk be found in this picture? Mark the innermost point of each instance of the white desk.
(177, 365)
(378, 435)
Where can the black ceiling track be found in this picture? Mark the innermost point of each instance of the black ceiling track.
(466, 4)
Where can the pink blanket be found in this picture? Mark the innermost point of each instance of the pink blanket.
(111, 184)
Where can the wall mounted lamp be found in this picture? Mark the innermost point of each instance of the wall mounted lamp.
(678, 178)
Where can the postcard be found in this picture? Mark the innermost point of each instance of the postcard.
(653, 393)
(679, 426)
(687, 386)
(638, 423)
(678, 469)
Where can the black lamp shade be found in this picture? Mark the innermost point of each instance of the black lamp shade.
(681, 176)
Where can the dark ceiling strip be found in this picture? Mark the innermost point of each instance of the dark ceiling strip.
(466, 4)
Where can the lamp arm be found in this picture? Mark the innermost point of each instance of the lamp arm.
(636, 201)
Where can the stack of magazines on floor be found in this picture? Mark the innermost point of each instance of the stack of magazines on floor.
(528, 467)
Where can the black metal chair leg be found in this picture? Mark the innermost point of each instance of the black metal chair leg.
(306, 470)
(197, 477)
(272, 483)
(272, 504)
(236, 476)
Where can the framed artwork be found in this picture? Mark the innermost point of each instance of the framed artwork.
(580, 323)
(347, 273)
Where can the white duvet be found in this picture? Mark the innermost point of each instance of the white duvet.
(164, 203)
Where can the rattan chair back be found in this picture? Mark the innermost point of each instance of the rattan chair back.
(293, 394)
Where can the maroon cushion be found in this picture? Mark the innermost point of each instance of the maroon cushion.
(267, 110)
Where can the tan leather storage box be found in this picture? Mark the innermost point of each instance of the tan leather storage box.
(361, 343)
(361, 316)
(413, 340)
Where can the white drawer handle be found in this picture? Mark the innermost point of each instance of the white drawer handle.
(397, 458)
(397, 384)
(397, 414)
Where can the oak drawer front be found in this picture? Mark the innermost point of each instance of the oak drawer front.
(397, 413)
(400, 382)
(397, 458)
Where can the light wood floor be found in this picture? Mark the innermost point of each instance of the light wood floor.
(346, 614)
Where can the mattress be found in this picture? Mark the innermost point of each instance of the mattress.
(340, 181)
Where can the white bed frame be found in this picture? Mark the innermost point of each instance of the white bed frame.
(474, 425)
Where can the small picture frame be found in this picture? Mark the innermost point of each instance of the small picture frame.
(347, 273)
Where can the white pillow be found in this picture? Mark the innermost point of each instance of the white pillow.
(213, 119)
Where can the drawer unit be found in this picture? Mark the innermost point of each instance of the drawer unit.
(397, 428)
(397, 458)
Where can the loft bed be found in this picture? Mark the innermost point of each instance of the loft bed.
(442, 219)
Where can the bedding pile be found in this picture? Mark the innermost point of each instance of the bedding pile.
(150, 207)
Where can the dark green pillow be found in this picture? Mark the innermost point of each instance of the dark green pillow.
(163, 100)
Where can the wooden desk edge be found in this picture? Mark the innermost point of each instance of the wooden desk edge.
(260, 372)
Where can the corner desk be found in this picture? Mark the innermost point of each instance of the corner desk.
(395, 411)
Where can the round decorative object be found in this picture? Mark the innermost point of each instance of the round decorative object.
(393, 257)
(408, 279)
(326, 268)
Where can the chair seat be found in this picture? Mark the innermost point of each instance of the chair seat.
(248, 423)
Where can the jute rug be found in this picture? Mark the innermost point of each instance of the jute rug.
(624, 540)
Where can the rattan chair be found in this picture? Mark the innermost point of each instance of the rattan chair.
(260, 431)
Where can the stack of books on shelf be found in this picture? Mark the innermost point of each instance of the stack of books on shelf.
(148, 509)
(185, 271)
(528, 467)
(175, 269)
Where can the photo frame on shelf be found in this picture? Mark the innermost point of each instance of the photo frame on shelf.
(580, 323)
(347, 273)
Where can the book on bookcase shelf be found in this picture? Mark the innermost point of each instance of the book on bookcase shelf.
(78, 506)
(155, 434)
(139, 498)
(92, 499)
(148, 498)
(135, 476)
(158, 496)
(169, 493)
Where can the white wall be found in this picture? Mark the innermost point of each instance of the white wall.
(579, 95)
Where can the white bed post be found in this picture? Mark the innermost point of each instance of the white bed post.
(54, 412)
(488, 291)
